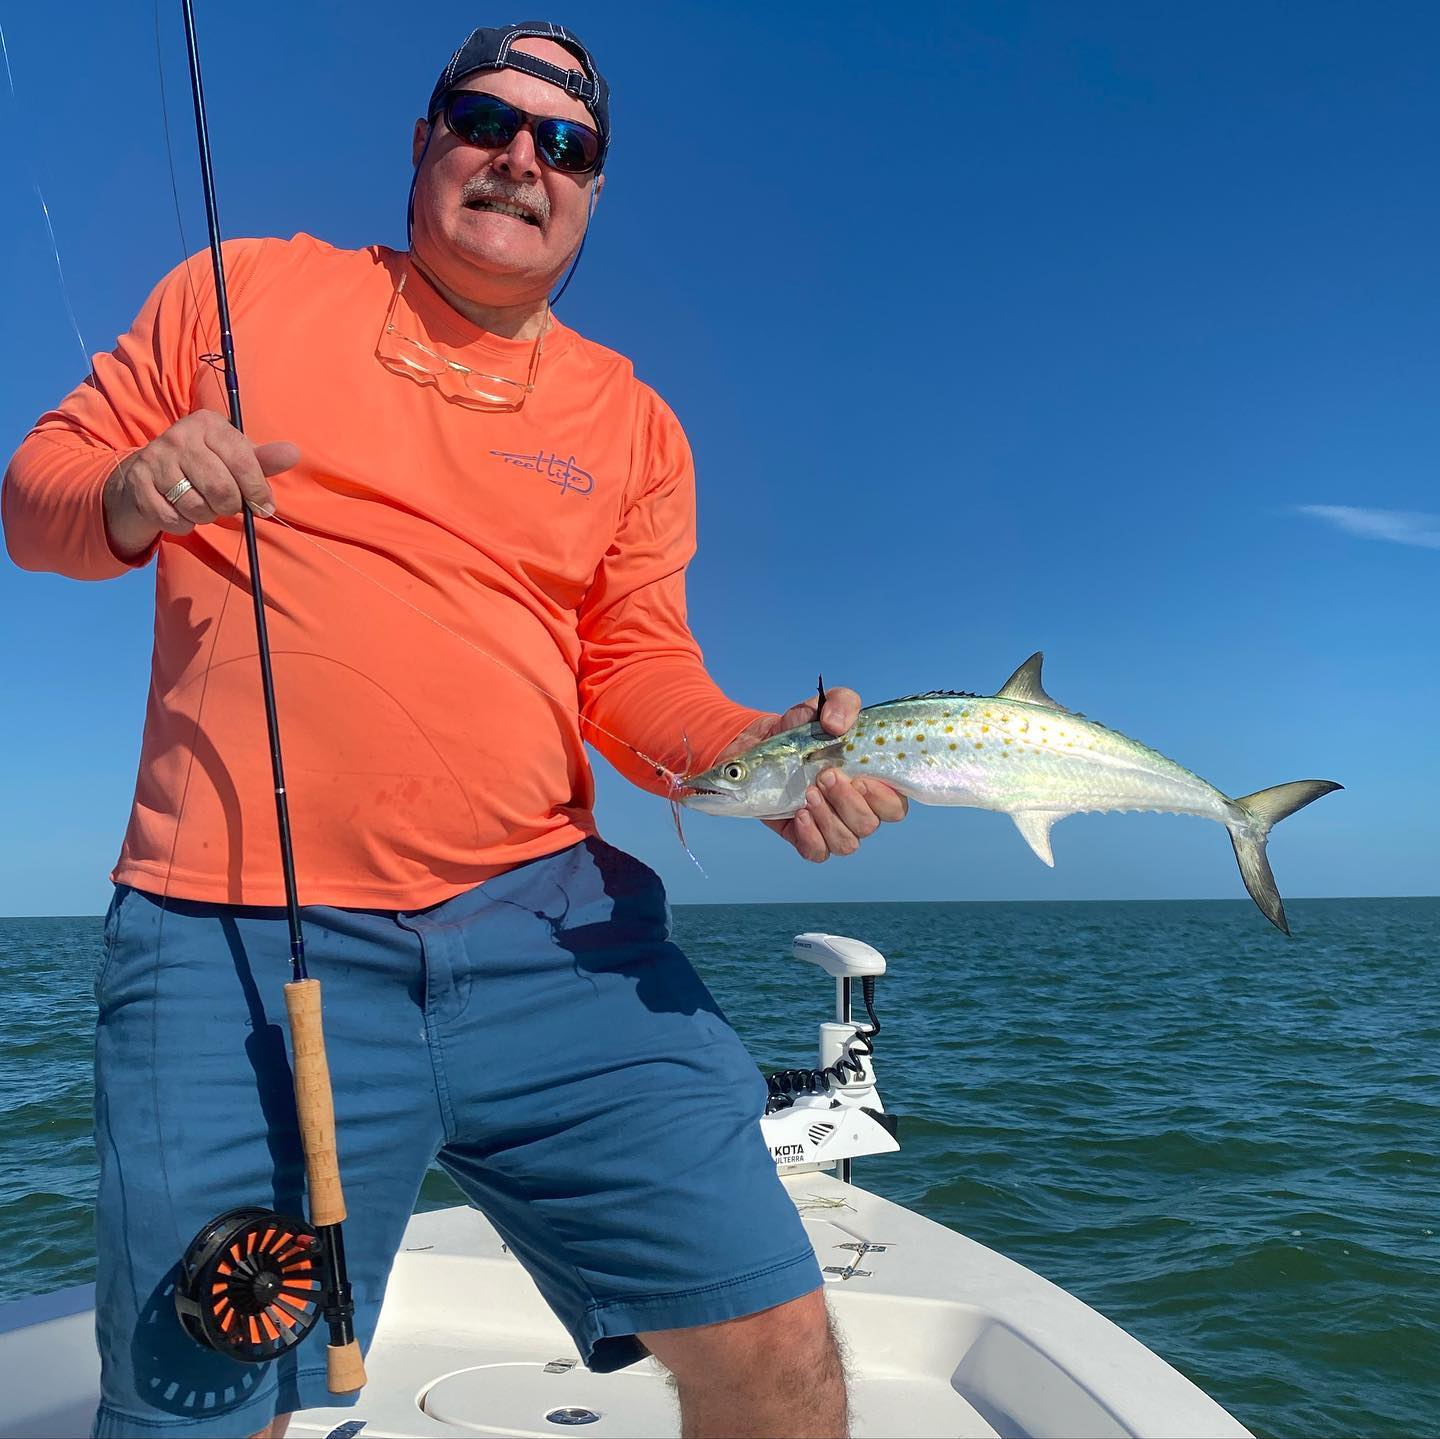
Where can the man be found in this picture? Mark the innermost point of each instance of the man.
(477, 563)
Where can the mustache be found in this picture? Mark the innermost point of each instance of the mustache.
(491, 187)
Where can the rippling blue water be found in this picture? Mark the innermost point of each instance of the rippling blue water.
(1223, 1140)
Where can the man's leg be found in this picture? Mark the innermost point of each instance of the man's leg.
(195, 1113)
(607, 1122)
(777, 1373)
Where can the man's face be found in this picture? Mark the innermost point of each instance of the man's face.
(466, 228)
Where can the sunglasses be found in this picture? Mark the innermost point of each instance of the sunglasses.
(491, 123)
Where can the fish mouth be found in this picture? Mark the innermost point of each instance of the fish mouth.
(710, 799)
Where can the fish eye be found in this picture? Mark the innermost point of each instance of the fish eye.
(734, 772)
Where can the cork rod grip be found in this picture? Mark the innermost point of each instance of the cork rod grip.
(314, 1102)
(344, 1368)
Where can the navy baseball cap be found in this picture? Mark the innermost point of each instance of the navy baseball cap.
(493, 49)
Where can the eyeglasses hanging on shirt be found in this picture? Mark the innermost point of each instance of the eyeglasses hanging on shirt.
(405, 355)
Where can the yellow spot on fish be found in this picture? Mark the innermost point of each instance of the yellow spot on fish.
(848, 748)
(919, 739)
(879, 739)
(964, 714)
(978, 745)
(864, 759)
(949, 729)
(1008, 740)
(984, 729)
(899, 754)
(953, 745)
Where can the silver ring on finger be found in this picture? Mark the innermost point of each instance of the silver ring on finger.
(180, 487)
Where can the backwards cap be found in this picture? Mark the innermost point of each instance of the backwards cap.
(494, 49)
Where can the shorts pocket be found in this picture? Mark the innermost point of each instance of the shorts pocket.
(110, 935)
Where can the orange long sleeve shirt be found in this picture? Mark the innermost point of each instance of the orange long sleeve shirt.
(553, 538)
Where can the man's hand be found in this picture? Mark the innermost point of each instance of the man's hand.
(839, 812)
(224, 471)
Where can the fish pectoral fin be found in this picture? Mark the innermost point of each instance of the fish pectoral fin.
(1034, 825)
(1024, 685)
(831, 753)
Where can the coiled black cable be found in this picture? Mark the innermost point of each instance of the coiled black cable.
(787, 1085)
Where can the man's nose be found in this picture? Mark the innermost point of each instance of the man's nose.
(518, 159)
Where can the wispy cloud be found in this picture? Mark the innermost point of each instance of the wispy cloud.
(1404, 527)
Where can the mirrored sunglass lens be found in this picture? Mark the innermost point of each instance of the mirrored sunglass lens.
(483, 120)
(567, 146)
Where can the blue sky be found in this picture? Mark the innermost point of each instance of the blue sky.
(1103, 329)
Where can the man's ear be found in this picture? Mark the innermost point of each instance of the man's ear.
(417, 141)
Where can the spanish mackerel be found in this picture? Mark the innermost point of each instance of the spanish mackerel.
(1017, 751)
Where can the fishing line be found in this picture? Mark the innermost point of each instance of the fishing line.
(45, 211)
(674, 798)
(211, 358)
(672, 780)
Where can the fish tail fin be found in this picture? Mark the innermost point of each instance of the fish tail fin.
(1253, 816)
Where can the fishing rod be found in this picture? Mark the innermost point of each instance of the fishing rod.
(249, 1284)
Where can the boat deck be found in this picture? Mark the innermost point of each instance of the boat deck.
(943, 1337)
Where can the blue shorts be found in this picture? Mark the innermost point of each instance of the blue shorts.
(540, 1036)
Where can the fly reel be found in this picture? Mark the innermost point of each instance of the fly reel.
(250, 1285)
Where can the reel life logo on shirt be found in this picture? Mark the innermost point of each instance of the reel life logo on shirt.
(565, 473)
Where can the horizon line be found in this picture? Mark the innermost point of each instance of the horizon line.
(777, 903)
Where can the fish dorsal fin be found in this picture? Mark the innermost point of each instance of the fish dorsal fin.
(930, 695)
(1024, 685)
(1034, 825)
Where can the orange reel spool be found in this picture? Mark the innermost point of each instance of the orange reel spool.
(251, 1284)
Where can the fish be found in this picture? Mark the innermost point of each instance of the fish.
(1019, 752)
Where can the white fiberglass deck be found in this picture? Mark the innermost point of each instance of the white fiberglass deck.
(944, 1337)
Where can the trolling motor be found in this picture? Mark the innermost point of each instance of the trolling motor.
(822, 1118)
(254, 1283)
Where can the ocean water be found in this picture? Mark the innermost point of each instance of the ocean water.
(1225, 1141)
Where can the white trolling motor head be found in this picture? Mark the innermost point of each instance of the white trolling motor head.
(838, 955)
(822, 1118)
